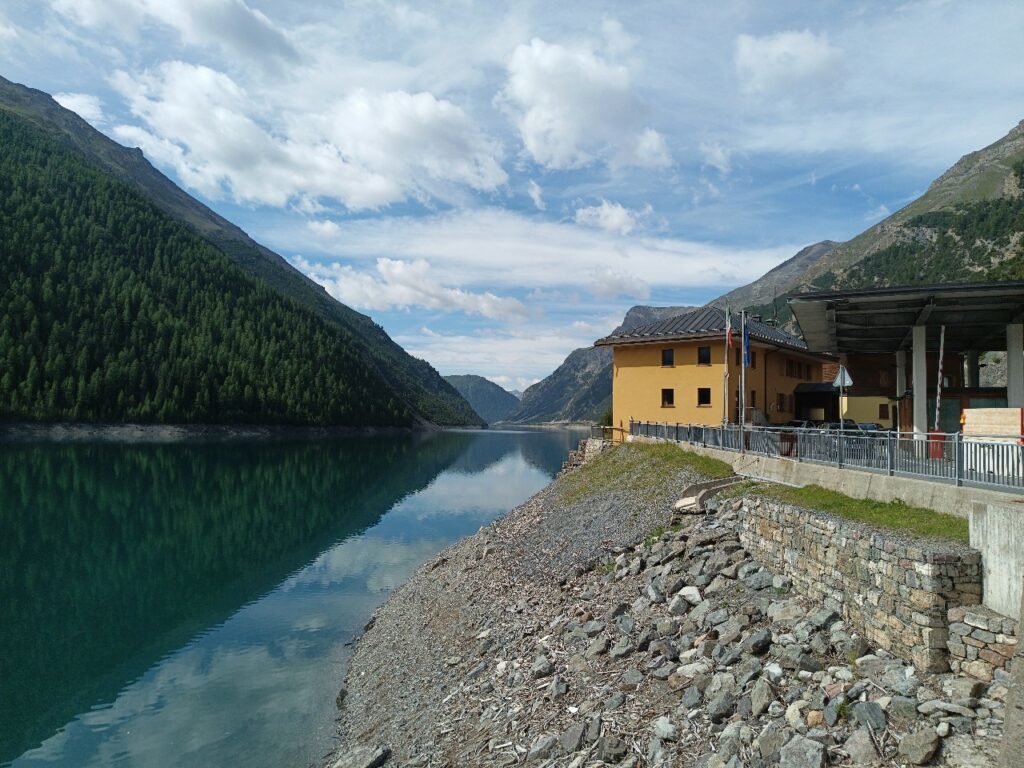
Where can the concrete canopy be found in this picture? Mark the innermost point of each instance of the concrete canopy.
(879, 320)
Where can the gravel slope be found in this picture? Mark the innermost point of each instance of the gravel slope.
(561, 636)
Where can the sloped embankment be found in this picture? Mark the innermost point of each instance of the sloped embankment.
(560, 636)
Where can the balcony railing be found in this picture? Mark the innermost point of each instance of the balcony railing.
(995, 461)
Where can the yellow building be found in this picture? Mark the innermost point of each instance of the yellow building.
(678, 370)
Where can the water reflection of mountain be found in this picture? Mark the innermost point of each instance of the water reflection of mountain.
(543, 449)
(116, 555)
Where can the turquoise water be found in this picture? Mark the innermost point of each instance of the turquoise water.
(192, 605)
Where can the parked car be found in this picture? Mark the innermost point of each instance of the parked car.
(798, 424)
(871, 426)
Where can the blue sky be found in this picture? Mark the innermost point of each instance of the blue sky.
(496, 183)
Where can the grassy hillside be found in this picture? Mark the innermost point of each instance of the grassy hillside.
(110, 310)
(413, 380)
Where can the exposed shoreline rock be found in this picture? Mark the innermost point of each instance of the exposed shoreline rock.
(559, 636)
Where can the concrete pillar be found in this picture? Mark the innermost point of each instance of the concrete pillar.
(1013, 729)
(921, 379)
(973, 377)
(901, 386)
(1015, 365)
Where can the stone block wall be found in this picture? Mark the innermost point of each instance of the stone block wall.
(895, 591)
(981, 641)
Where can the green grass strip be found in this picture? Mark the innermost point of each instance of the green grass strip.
(637, 467)
(894, 515)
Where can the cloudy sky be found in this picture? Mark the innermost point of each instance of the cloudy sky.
(497, 183)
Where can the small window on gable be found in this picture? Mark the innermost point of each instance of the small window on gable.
(883, 410)
(668, 358)
(703, 355)
(704, 396)
(668, 398)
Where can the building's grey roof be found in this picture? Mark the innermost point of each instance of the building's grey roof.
(878, 320)
(701, 323)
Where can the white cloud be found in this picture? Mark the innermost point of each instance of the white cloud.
(877, 213)
(611, 217)
(785, 62)
(228, 24)
(324, 228)
(86, 106)
(608, 284)
(513, 383)
(366, 150)
(405, 284)
(572, 106)
(525, 354)
(537, 195)
(493, 248)
(717, 156)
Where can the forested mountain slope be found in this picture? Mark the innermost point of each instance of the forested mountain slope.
(488, 399)
(111, 310)
(413, 380)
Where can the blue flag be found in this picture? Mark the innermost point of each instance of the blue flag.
(746, 344)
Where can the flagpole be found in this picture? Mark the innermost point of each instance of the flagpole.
(725, 387)
(743, 368)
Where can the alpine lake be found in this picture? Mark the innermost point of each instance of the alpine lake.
(195, 604)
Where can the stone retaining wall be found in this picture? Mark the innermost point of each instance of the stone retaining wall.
(981, 641)
(895, 592)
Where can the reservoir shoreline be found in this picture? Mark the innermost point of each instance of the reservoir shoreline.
(27, 432)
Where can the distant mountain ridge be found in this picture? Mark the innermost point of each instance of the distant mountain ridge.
(968, 226)
(488, 399)
(580, 389)
(414, 381)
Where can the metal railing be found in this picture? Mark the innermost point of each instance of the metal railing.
(995, 461)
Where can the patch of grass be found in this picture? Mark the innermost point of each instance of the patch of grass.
(843, 710)
(894, 515)
(637, 467)
(656, 534)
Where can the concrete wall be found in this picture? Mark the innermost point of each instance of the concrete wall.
(896, 593)
(1013, 733)
(997, 530)
(941, 497)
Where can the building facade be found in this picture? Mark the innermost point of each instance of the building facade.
(680, 370)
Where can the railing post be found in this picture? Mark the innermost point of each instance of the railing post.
(840, 440)
(890, 455)
(958, 455)
(704, 436)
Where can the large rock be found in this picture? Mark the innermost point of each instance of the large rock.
(364, 757)
(920, 747)
(800, 752)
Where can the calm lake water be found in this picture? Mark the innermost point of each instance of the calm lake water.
(190, 605)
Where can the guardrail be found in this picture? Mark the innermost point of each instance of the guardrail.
(987, 461)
